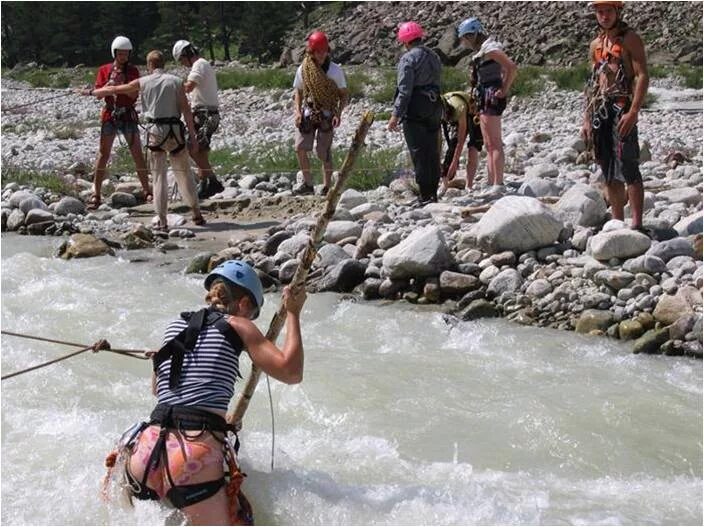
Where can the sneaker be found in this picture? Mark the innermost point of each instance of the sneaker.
(303, 189)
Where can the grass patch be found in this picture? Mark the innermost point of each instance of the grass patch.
(34, 178)
(691, 76)
(356, 84)
(121, 161)
(528, 81)
(573, 78)
(54, 77)
(262, 79)
(382, 116)
(385, 88)
(454, 79)
(372, 168)
(650, 100)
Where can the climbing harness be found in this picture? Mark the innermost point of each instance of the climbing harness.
(173, 123)
(206, 120)
(191, 423)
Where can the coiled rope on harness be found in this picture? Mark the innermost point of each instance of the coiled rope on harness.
(320, 92)
(100, 345)
(305, 262)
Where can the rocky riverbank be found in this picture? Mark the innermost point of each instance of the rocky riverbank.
(540, 251)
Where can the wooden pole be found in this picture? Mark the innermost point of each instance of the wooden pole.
(305, 262)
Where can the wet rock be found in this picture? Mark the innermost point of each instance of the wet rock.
(84, 246)
(15, 220)
(479, 308)
(370, 288)
(431, 290)
(630, 330)
(38, 216)
(391, 288)
(452, 283)
(621, 243)
(683, 325)
(344, 277)
(594, 319)
(517, 224)
(200, 263)
(423, 253)
(19, 196)
(651, 341)
(131, 241)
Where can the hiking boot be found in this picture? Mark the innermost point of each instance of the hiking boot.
(303, 189)
(215, 187)
(204, 188)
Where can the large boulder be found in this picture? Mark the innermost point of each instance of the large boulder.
(351, 198)
(295, 244)
(517, 224)
(423, 253)
(686, 195)
(621, 243)
(668, 249)
(581, 205)
(38, 216)
(452, 283)
(15, 220)
(672, 307)
(339, 230)
(69, 205)
(84, 246)
(507, 281)
(344, 277)
(330, 255)
(594, 319)
(692, 224)
(32, 202)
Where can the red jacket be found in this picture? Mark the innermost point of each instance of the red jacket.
(106, 72)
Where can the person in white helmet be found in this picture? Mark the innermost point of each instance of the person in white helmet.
(163, 103)
(118, 115)
(202, 88)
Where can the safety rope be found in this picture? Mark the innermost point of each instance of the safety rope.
(37, 102)
(100, 345)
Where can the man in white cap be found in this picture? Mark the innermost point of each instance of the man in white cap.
(202, 87)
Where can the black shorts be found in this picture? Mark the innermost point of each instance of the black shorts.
(206, 123)
(489, 103)
(617, 156)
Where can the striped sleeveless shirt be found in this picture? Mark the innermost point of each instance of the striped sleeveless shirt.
(209, 371)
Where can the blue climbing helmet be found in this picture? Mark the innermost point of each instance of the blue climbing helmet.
(241, 274)
(469, 25)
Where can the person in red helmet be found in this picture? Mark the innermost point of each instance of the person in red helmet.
(320, 96)
(118, 115)
(419, 107)
(615, 94)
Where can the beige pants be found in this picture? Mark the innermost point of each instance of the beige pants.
(182, 172)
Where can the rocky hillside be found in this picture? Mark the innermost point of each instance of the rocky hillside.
(534, 32)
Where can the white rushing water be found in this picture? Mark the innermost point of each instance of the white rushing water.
(402, 418)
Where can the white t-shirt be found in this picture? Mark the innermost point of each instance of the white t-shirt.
(334, 72)
(206, 91)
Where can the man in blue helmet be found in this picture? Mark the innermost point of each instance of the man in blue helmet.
(193, 379)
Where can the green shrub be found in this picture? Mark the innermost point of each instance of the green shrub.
(574, 78)
(372, 169)
(454, 79)
(34, 178)
(356, 83)
(262, 78)
(528, 81)
(385, 88)
(691, 75)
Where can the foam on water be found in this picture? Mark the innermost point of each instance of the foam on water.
(402, 417)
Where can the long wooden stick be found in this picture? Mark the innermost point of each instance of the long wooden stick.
(299, 278)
